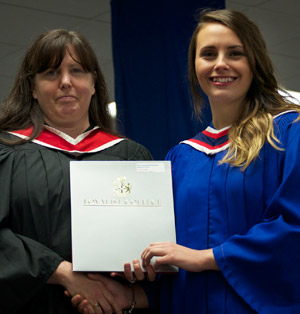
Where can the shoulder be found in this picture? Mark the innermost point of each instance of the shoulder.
(11, 143)
(6, 137)
(287, 133)
(286, 123)
(286, 118)
(181, 152)
(129, 150)
(7, 152)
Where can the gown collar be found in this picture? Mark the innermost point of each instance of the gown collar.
(91, 141)
(210, 141)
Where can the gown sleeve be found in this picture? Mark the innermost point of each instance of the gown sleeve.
(25, 265)
(262, 266)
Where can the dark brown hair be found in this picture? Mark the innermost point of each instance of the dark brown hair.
(20, 110)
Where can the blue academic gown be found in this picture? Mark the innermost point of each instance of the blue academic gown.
(251, 219)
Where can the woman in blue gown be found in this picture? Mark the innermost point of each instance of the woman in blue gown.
(236, 185)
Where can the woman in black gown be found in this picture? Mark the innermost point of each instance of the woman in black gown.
(56, 112)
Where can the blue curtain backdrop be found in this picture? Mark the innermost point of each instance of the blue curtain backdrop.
(150, 47)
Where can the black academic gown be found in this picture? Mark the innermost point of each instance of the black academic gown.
(35, 224)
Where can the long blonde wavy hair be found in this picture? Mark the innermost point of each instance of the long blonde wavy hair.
(254, 125)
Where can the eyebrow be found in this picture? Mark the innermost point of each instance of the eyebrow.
(230, 47)
(236, 46)
(75, 63)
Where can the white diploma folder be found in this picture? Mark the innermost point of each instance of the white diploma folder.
(117, 209)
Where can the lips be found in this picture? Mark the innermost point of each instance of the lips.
(66, 98)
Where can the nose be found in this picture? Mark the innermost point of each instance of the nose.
(221, 63)
(65, 81)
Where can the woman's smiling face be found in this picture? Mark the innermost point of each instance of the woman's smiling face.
(221, 66)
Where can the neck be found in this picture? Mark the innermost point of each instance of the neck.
(224, 115)
(72, 131)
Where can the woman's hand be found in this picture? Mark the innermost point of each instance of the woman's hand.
(83, 306)
(138, 272)
(180, 256)
(121, 292)
(100, 299)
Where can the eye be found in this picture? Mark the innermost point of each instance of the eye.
(77, 70)
(51, 72)
(237, 53)
(208, 54)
